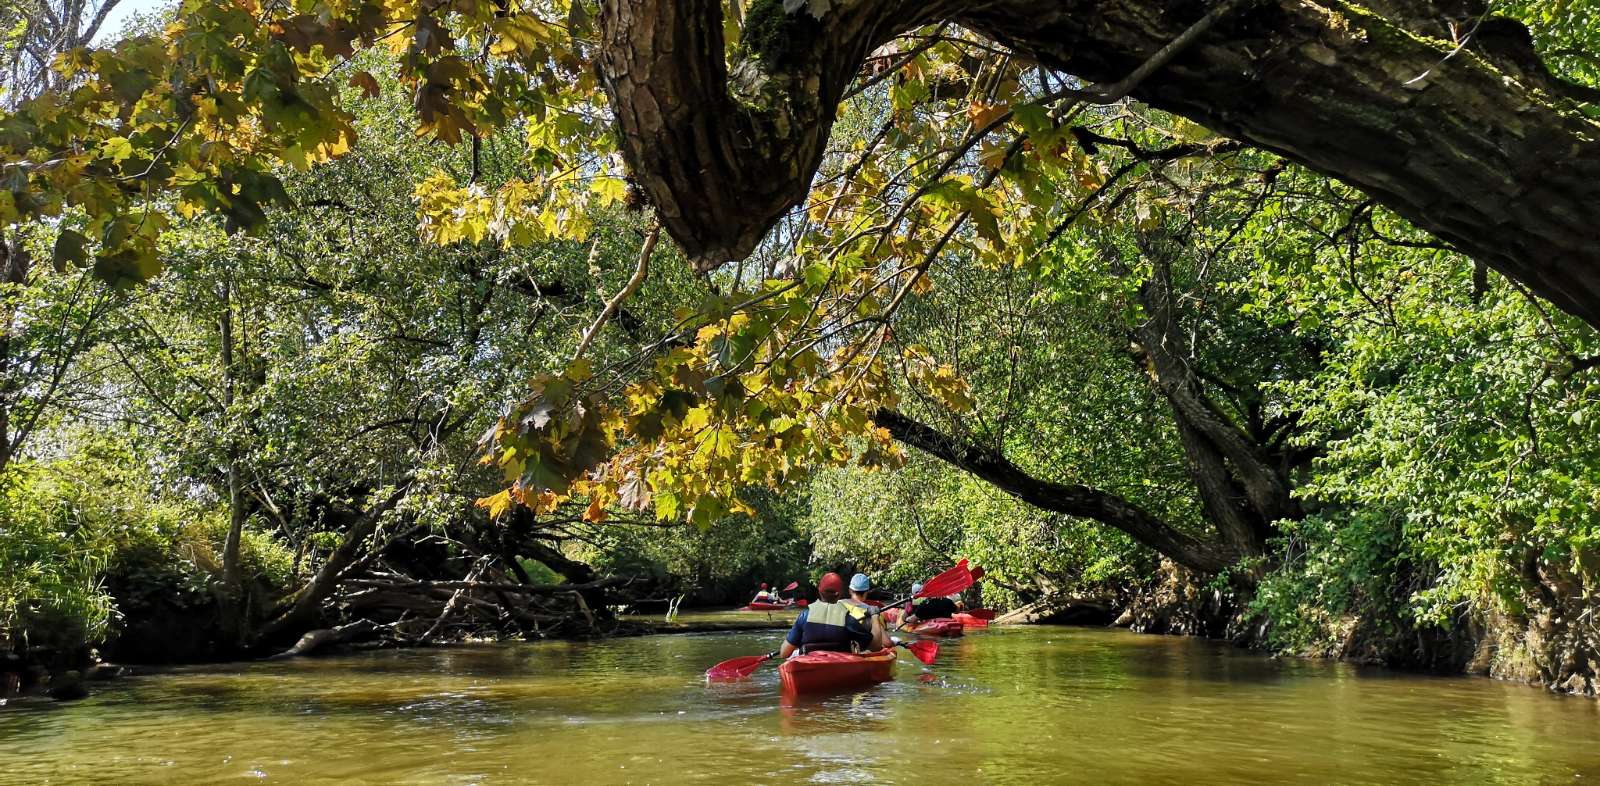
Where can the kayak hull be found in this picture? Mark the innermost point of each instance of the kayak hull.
(825, 672)
(943, 626)
(760, 606)
(969, 621)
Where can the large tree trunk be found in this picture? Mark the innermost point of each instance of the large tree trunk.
(232, 594)
(1242, 483)
(1482, 147)
(13, 272)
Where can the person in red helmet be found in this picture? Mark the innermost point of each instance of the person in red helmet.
(829, 624)
(763, 596)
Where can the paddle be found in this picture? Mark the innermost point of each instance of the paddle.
(925, 650)
(982, 614)
(737, 668)
(949, 582)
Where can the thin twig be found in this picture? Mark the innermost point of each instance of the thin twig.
(639, 273)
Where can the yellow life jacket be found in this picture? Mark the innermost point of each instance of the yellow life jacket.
(826, 627)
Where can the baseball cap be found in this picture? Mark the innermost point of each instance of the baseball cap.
(830, 585)
(860, 583)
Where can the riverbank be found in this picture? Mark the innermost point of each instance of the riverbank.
(36, 683)
(1550, 644)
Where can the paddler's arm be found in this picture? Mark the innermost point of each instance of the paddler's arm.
(908, 615)
(880, 637)
(792, 641)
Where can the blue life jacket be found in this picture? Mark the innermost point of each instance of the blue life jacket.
(831, 626)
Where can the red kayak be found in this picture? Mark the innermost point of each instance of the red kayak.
(969, 621)
(943, 626)
(757, 605)
(821, 672)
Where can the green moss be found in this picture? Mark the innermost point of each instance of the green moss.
(1380, 29)
(1384, 32)
(777, 38)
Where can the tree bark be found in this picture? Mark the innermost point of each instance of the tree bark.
(232, 587)
(14, 272)
(1475, 142)
(1240, 480)
(1071, 499)
(710, 146)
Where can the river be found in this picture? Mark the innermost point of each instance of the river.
(1026, 705)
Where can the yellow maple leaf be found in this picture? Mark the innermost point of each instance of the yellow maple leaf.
(982, 113)
(496, 504)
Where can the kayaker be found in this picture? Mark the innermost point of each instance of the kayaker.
(860, 585)
(831, 624)
(763, 596)
(924, 609)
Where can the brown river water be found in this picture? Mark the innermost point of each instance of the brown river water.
(1002, 706)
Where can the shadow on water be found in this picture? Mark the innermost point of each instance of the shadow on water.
(1005, 705)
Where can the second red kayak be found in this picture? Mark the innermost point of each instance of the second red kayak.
(970, 621)
(822, 672)
(943, 626)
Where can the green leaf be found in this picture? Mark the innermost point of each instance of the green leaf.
(69, 249)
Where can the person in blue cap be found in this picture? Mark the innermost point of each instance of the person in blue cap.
(860, 585)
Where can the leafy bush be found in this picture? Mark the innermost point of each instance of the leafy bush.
(87, 541)
(1460, 438)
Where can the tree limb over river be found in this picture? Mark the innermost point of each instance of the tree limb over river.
(1438, 110)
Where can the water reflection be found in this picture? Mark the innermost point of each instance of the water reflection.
(1004, 705)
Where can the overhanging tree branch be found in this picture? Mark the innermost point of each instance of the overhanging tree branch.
(1071, 499)
(1483, 151)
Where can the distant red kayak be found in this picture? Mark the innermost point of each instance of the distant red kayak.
(763, 606)
(821, 672)
(943, 626)
(969, 620)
